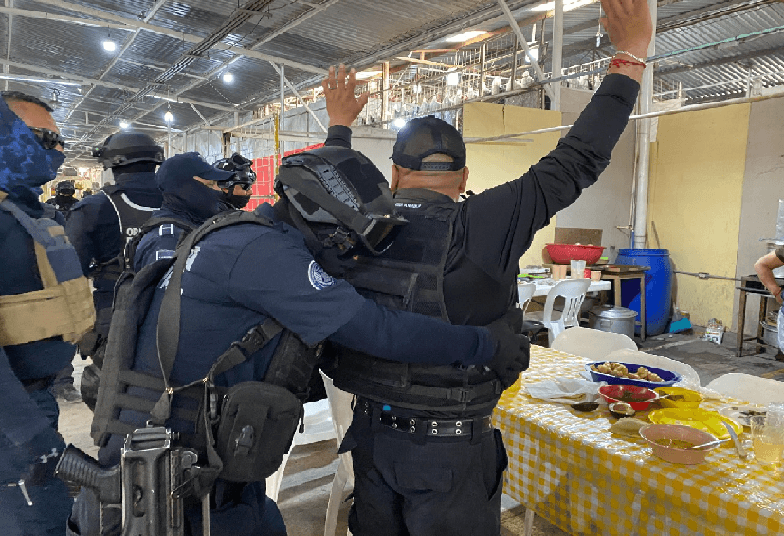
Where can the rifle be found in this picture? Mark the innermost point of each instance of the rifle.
(147, 484)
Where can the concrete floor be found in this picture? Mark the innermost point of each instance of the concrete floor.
(307, 479)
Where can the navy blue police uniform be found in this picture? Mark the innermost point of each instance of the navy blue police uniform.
(100, 225)
(415, 481)
(234, 279)
(32, 501)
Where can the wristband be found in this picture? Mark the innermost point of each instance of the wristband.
(632, 56)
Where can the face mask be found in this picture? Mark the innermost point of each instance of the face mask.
(236, 201)
(25, 162)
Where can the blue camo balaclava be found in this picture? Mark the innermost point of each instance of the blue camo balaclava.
(23, 161)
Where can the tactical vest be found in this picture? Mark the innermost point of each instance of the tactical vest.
(151, 225)
(409, 276)
(278, 405)
(64, 307)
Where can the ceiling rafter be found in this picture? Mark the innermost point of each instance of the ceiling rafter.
(130, 24)
(68, 77)
(150, 14)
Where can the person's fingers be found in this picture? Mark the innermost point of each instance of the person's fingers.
(352, 78)
(341, 78)
(362, 100)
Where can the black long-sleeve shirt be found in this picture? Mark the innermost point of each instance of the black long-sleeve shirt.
(494, 228)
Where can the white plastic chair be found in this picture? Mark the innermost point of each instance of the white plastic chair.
(749, 388)
(342, 414)
(591, 343)
(573, 292)
(525, 291)
(691, 379)
(317, 426)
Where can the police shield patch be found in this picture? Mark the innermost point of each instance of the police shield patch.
(318, 277)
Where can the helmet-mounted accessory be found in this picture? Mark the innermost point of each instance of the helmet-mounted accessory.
(244, 176)
(341, 187)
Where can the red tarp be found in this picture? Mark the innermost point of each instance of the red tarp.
(263, 190)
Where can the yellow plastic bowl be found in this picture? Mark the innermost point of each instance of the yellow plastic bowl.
(679, 397)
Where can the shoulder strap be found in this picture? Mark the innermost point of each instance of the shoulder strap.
(168, 331)
(130, 249)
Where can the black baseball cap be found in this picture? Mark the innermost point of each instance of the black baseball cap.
(189, 165)
(424, 136)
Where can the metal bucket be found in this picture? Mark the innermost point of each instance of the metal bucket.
(613, 319)
(770, 334)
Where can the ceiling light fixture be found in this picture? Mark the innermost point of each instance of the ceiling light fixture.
(109, 45)
(124, 124)
(228, 78)
(168, 116)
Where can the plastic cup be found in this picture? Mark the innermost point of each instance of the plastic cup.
(558, 271)
(596, 275)
(767, 439)
(578, 269)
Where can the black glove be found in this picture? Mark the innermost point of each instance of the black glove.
(512, 350)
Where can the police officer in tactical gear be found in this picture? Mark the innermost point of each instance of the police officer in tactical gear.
(180, 178)
(241, 275)
(100, 226)
(38, 266)
(64, 199)
(237, 189)
(426, 458)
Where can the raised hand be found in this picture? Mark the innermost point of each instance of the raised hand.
(342, 105)
(628, 23)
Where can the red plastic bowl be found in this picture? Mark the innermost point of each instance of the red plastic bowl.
(563, 253)
(639, 398)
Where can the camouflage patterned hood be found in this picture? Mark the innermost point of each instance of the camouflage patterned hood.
(24, 163)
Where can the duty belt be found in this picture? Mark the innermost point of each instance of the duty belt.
(467, 428)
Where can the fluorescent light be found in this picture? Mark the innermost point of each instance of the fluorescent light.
(109, 46)
(399, 122)
(568, 6)
(453, 78)
(123, 124)
(462, 37)
(228, 77)
(364, 75)
(168, 117)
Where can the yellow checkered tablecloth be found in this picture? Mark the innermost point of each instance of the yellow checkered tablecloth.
(574, 473)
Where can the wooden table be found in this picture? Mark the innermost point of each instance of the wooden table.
(568, 468)
(543, 289)
(751, 284)
(616, 278)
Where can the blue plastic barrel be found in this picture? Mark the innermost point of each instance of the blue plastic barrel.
(658, 287)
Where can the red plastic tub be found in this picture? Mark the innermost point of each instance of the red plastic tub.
(564, 253)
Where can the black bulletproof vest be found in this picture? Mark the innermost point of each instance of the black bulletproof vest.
(409, 276)
(131, 215)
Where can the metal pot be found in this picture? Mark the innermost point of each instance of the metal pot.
(770, 334)
(613, 319)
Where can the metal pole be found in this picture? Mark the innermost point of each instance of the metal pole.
(555, 104)
(516, 28)
(646, 95)
(385, 91)
(282, 103)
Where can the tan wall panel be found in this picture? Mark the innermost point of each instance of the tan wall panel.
(694, 200)
(491, 165)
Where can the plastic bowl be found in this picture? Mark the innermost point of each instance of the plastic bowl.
(639, 398)
(667, 376)
(677, 432)
(564, 253)
(679, 397)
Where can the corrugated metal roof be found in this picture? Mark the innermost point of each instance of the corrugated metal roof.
(306, 37)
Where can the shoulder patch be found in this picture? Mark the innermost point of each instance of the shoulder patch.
(318, 278)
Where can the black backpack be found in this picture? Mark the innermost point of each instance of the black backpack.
(242, 431)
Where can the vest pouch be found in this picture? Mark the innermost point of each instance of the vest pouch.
(258, 421)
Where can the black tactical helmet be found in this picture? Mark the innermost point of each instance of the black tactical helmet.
(342, 187)
(65, 188)
(126, 148)
(243, 176)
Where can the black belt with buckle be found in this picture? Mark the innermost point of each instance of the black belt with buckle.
(437, 427)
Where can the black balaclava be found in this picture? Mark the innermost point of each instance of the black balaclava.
(236, 201)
